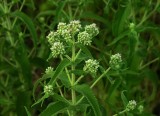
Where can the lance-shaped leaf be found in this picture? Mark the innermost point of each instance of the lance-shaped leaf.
(87, 92)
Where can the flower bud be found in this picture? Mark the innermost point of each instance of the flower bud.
(132, 26)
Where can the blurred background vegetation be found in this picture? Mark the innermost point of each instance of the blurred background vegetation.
(24, 50)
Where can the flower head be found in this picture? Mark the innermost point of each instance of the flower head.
(57, 49)
(74, 26)
(131, 105)
(48, 70)
(92, 29)
(84, 38)
(48, 89)
(115, 61)
(91, 66)
(53, 36)
(66, 35)
(61, 27)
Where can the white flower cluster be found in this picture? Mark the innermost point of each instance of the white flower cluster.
(57, 49)
(92, 29)
(48, 89)
(48, 70)
(84, 38)
(53, 37)
(66, 33)
(131, 105)
(116, 61)
(74, 26)
(91, 66)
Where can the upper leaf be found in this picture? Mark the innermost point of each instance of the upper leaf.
(87, 92)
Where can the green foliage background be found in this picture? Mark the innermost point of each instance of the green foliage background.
(24, 50)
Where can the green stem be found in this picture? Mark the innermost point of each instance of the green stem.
(59, 89)
(14, 65)
(142, 67)
(14, 22)
(67, 72)
(149, 14)
(73, 75)
(78, 79)
(120, 112)
(100, 77)
(78, 54)
(73, 93)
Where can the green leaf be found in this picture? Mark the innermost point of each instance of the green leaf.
(45, 13)
(124, 99)
(64, 79)
(30, 25)
(78, 72)
(24, 67)
(94, 16)
(59, 12)
(60, 98)
(23, 98)
(120, 18)
(1, 10)
(113, 87)
(86, 51)
(4, 101)
(121, 36)
(87, 92)
(54, 108)
(40, 100)
(28, 113)
(64, 63)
